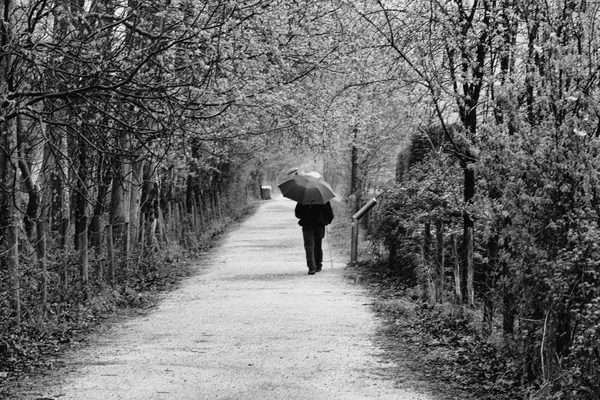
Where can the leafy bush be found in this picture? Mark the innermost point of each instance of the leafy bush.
(539, 194)
(431, 191)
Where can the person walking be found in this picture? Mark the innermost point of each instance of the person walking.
(313, 218)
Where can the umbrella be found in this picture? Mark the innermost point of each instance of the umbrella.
(306, 189)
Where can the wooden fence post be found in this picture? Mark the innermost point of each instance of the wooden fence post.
(42, 264)
(470, 268)
(126, 240)
(219, 205)
(201, 214)
(152, 234)
(111, 255)
(170, 222)
(457, 272)
(194, 218)
(161, 227)
(439, 261)
(97, 244)
(13, 270)
(488, 291)
(142, 238)
(425, 281)
(208, 208)
(83, 253)
(64, 228)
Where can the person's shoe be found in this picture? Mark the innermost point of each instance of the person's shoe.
(318, 269)
(311, 271)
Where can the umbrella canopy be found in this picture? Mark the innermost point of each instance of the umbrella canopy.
(306, 189)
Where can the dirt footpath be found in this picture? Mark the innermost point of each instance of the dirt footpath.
(251, 324)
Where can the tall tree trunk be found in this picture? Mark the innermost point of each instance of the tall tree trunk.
(116, 214)
(8, 215)
(355, 184)
(81, 192)
(9, 162)
(127, 187)
(27, 179)
(42, 221)
(151, 201)
(137, 181)
(81, 219)
(103, 177)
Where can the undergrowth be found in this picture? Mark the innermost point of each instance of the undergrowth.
(444, 340)
(70, 316)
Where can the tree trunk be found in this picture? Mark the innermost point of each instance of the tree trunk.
(150, 201)
(9, 217)
(103, 177)
(355, 183)
(32, 190)
(137, 182)
(189, 194)
(8, 158)
(116, 215)
(126, 199)
(81, 194)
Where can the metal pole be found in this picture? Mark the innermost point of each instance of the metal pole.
(365, 209)
(355, 218)
(354, 241)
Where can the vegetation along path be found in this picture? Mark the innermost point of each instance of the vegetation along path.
(251, 324)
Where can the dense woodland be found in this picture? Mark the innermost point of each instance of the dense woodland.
(133, 130)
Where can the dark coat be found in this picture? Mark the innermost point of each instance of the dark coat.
(314, 214)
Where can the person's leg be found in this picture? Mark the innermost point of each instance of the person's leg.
(319, 235)
(308, 234)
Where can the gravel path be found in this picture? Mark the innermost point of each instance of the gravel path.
(251, 324)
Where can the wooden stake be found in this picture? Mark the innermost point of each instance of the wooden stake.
(457, 274)
(42, 265)
(111, 255)
(470, 268)
(439, 261)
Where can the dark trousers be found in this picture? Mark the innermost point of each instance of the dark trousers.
(313, 238)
